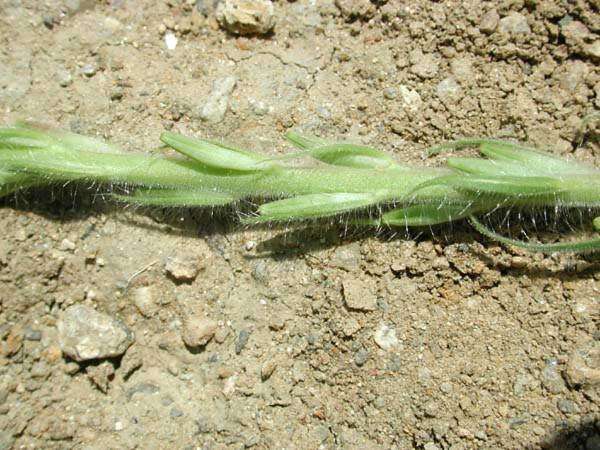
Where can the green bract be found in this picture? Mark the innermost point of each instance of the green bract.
(333, 179)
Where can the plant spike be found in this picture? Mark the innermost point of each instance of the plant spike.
(347, 178)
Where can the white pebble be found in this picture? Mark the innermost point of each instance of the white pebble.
(170, 41)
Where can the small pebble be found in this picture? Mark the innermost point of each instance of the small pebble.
(64, 78)
(361, 357)
(116, 94)
(32, 335)
(390, 93)
(567, 406)
(351, 326)
(218, 100)
(446, 387)
(89, 70)
(175, 412)
(241, 341)
(385, 337)
(551, 378)
(583, 366)
(411, 99)
(144, 299)
(48, 22)
(198, 331)
(246, 17)
(85, 334)
(268, 368)
(489, 22)
(170, 41)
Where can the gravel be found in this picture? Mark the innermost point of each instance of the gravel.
(86, 334)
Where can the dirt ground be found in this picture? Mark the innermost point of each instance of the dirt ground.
(294, 339)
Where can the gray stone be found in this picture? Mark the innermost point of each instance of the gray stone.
(142, 389)
(361, 357)
(241, 341)
(32, 335)
(175, 412)
(514, 23)
(218, 100)
(246, 17)
(85, 334)
(567, 406)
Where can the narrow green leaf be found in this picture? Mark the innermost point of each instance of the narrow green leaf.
(425, 215)
(71, 141)
(507, 186)
(172, 197)
(540, 163)
(590, 245)
(215, 155)
(489, 167)
(351, 155)
(11, 182)
(15, 138)
(314, 206)
(305, 142)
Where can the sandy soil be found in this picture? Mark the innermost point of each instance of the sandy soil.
(316, 338)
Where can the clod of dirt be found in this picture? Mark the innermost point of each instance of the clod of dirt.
(246, 17)
(101, 375)
(144, 299)
(198, 331)
(583, 368)
(514, 23)
(357, 296)
(85, 334)
(182, 268)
